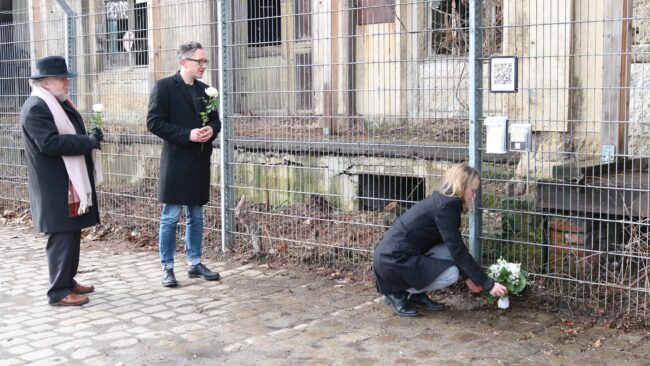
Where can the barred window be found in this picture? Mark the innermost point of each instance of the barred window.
(264, 23)
(126, 35)
(449, 22)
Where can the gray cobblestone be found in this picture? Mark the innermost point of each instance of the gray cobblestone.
(41, 335)
(9, 342)
(130, 315)
(51, 341)
(153, 309)
(165, 315)
(142, 320)
(74, 328)
(40, 328)
(10, 361)
(17, 350)
(13, 333)
(38, 321)
(38, 354)
(51, 361)
(110, 336)
(84, 353)
(73, 321)
(77, 343)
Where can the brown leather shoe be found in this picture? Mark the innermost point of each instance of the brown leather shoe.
(72, 300)
(82, 289)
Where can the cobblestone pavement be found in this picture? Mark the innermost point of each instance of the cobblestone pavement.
(258, 315)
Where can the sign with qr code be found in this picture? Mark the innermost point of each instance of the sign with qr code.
(503, 74)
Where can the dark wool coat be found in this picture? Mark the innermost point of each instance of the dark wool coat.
(400, 262)
(47, 179)
(184, 165)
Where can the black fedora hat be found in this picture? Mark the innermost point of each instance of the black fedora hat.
(52, 66)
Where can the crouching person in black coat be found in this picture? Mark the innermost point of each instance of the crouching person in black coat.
(423, 249)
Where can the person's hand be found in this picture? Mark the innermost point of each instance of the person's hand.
(97, 132)
(473, 287)
(195, 135)
(206, 133)
(498, 290)
(95, 142)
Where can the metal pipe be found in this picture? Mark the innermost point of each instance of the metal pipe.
(227, 175)
(475, 126)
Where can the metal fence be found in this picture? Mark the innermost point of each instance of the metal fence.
(339, 115)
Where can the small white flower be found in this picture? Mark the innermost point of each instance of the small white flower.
(98, 108)
(212, 92)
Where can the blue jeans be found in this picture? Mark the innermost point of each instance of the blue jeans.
(193, 233)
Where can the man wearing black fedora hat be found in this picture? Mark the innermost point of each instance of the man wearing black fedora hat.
(61, 175)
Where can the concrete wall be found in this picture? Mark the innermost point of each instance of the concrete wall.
(641, 25)
(639, 126)
(279, 178)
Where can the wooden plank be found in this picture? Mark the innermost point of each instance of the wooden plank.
(157, 66)
(587, 200)
(375, 11)
(624, 95)
(330, 108)
(287, 29)
(540, 33)
(36, 26)
(616, 73)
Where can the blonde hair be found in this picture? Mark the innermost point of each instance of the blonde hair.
(458, 179)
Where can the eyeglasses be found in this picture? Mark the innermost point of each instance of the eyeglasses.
(200, 62)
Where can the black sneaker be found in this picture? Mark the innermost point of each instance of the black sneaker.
(168, 278)
(202, 271)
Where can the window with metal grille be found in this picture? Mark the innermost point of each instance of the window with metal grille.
(264, 23)
(126, 35)
(449, 21)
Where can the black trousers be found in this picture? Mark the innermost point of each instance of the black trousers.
(62, 260)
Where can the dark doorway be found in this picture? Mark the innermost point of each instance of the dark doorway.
(377, 191)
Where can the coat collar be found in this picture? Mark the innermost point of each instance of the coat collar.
(186, 93)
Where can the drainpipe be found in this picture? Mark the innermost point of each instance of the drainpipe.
(71, 34)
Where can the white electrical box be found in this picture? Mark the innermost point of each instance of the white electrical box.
(520, 137)
(496, 139)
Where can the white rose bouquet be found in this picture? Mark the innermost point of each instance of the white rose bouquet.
(509, 275)
(211, 104)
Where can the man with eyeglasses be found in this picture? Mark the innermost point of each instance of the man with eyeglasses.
(174, 115)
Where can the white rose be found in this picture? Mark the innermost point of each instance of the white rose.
(98, 108)
(212, 92)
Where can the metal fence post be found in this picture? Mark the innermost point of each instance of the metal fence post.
(71, 34)
(227, 174)
(475, 128)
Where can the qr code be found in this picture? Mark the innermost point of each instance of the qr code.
(502, 74)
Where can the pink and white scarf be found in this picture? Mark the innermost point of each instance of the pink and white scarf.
(75, 165)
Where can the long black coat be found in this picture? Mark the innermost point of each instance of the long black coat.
(400, 262)
(47, 179)
(184, 165)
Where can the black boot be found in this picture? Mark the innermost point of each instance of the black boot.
(400, 304)
(202, 271)
(168, 278)
(423, 301)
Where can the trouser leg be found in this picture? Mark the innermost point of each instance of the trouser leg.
(62, 261)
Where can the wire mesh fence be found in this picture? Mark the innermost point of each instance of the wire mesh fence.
(339, 115)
